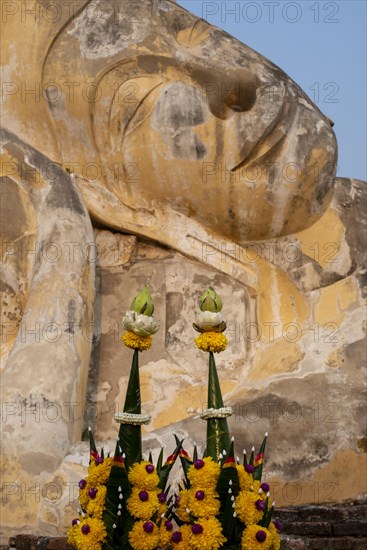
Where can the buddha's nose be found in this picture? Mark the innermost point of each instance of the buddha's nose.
(228, 91)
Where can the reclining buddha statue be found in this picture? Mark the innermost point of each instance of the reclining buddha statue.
(141, 143)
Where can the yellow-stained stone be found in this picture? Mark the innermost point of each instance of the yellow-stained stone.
(189, 398)
(322, 241)
(194, 36)
(333, 301)
(335, 358)
(281, 357)
(280, 302)
(329, 484)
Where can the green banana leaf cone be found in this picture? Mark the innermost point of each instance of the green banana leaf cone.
(259, 460)
(116, 517)
(228, 488)
(93, 453)
(217, 434)
(130, 435)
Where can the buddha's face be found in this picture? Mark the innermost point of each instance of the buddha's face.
(187, 117)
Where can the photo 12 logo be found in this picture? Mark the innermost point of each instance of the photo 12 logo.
(53, 11)
(270, 11)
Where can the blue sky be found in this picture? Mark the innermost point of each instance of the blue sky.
(319, 44)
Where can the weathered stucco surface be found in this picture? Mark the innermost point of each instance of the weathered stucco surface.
(295, 365)
(199, 163)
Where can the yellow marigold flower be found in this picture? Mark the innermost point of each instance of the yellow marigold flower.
(212, 341)
(133, 341)
(275, 537)
(144, 536)
(180, 539)
(210, 537)
(165, 533)
(142, 504)
(184, 503)
(84, 498)
(256, 484)
(246, 480)
(71, 535)
(203, 502)
(162, 509)
(98, 473)
(246, 508)
(89, 534)
(204, 473)
(255, 537)
(143, 475)
(96, 505)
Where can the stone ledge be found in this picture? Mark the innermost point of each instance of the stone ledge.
(350, 528)
(33, 542)
(323, 543)
(333, 513)
(289, 542)
(308, 528)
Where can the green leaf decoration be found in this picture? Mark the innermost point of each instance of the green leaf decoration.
(130, 435)
(228, 486)
(186, 462)
(93, 453)
(177, 519)
(268, 518)
(217, 434)
(252, 457)
(266, 509)
(195, 454)
(259, 460)
(167, 467)
(117, 539)
(244, 458)
(160, 461)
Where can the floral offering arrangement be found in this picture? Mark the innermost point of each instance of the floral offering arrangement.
(127, 503)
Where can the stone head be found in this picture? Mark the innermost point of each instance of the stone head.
(165, 110)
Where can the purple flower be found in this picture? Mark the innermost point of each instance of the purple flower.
(265, 487)
(200, 495)
(149, 468)
(148, 526)
(75, 521)
(92, 493)
(249, 468)
(168, 525)
(177, 500)
(85, 529)
(176, 537)
(144, 496)
(260, 536)
(278, 525)
(197, 529)
(260, 504)
(82, 484)
(199, 464)
(99, 460)
(162, 497)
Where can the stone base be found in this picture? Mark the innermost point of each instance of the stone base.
(32, 542)
(340, 527)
